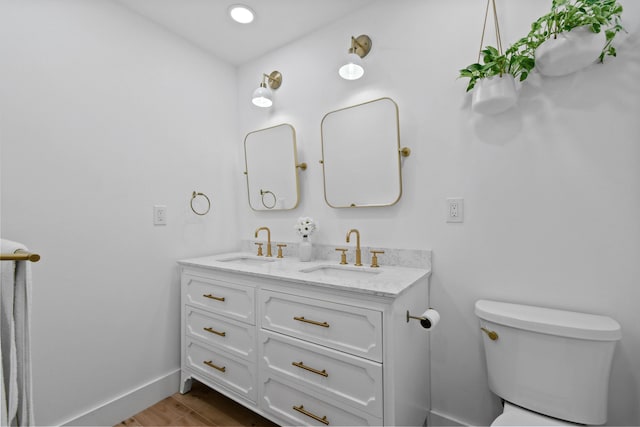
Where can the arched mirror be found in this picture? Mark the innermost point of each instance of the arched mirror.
(271, 168)
(361, 155)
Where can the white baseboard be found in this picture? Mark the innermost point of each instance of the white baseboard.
(436, 419)
(119, 409)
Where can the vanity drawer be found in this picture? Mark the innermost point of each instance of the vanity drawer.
(223, 368)
(297, 407)
(226, 298)
(232, 336)
(355, 330)
(350, 379)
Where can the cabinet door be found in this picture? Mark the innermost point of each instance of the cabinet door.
(218, 331)
(297, 407)
(355, 330)
(349, 379)
(231, 372)
(226, 298)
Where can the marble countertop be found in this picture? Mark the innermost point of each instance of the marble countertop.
(387, 281)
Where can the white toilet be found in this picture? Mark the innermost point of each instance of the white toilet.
(551, 367)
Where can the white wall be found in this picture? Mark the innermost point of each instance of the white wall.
(103, 115)
(551, 188)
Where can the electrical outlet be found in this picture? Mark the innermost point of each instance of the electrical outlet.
(159, 215)
(455, 209)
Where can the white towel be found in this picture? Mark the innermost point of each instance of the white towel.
(15, 300)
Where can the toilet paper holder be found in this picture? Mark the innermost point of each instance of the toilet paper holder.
(426, 323)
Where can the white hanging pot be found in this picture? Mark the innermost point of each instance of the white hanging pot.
(493, 95)
(569, 52)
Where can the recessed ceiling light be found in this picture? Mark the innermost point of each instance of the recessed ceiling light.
(241, 13)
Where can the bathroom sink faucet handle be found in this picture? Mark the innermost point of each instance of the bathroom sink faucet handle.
(374, 258)
(259, 249)
(280, 246)
(343, 255)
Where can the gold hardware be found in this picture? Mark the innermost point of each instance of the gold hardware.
(213, 331)
(280, 246)
(313, 322)
(302, 166)
(214, 297)
(360, 45)
(493, 335)
(343, 255)
(211, 365)
(374, 258)
(265, 192)
(420, 318)
(20, 255)
(193, 197)
(307, 368)
(321, 162)
(259, 248)
(274, 79)
(405, 151)
(301, 409)
(269, 254)
(358, 252)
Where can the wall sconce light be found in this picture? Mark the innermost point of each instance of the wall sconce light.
(262, 95)
(352, 68)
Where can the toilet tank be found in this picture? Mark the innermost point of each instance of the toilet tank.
(554, 362)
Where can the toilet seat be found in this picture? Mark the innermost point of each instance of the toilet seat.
(516, 416)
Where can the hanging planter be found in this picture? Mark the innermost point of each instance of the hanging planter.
(569, 52)
(495, 94)
(574, 35)
(493, 80)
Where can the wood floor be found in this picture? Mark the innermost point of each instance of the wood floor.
(200, 407)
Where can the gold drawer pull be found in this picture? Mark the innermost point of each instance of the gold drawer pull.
(213, 331)
(301, 409)
(313, 322)
(213, 297)
(315, 371)
(211, 365)
(493, 335)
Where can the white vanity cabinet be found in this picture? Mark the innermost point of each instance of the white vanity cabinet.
(307, 352)
(219, 333)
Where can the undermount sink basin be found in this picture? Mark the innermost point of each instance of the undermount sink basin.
(340, 271)
(247, 260)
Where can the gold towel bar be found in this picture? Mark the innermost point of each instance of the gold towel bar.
(20, 255)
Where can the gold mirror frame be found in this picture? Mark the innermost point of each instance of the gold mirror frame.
(355, 127)
(266, 197)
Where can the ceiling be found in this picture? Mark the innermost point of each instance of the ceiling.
(206, 23)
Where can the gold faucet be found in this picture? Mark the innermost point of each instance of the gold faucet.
(358, 252)
(268, 239)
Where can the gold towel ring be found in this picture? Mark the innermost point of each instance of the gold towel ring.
(193, 196)
(264, 203)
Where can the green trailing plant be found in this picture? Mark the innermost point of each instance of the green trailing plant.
(519, 59)
(566, 15)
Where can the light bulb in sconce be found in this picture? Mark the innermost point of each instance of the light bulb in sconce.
(262, 96)
(352, 68)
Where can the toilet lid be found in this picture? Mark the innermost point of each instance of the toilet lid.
(517, 416)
